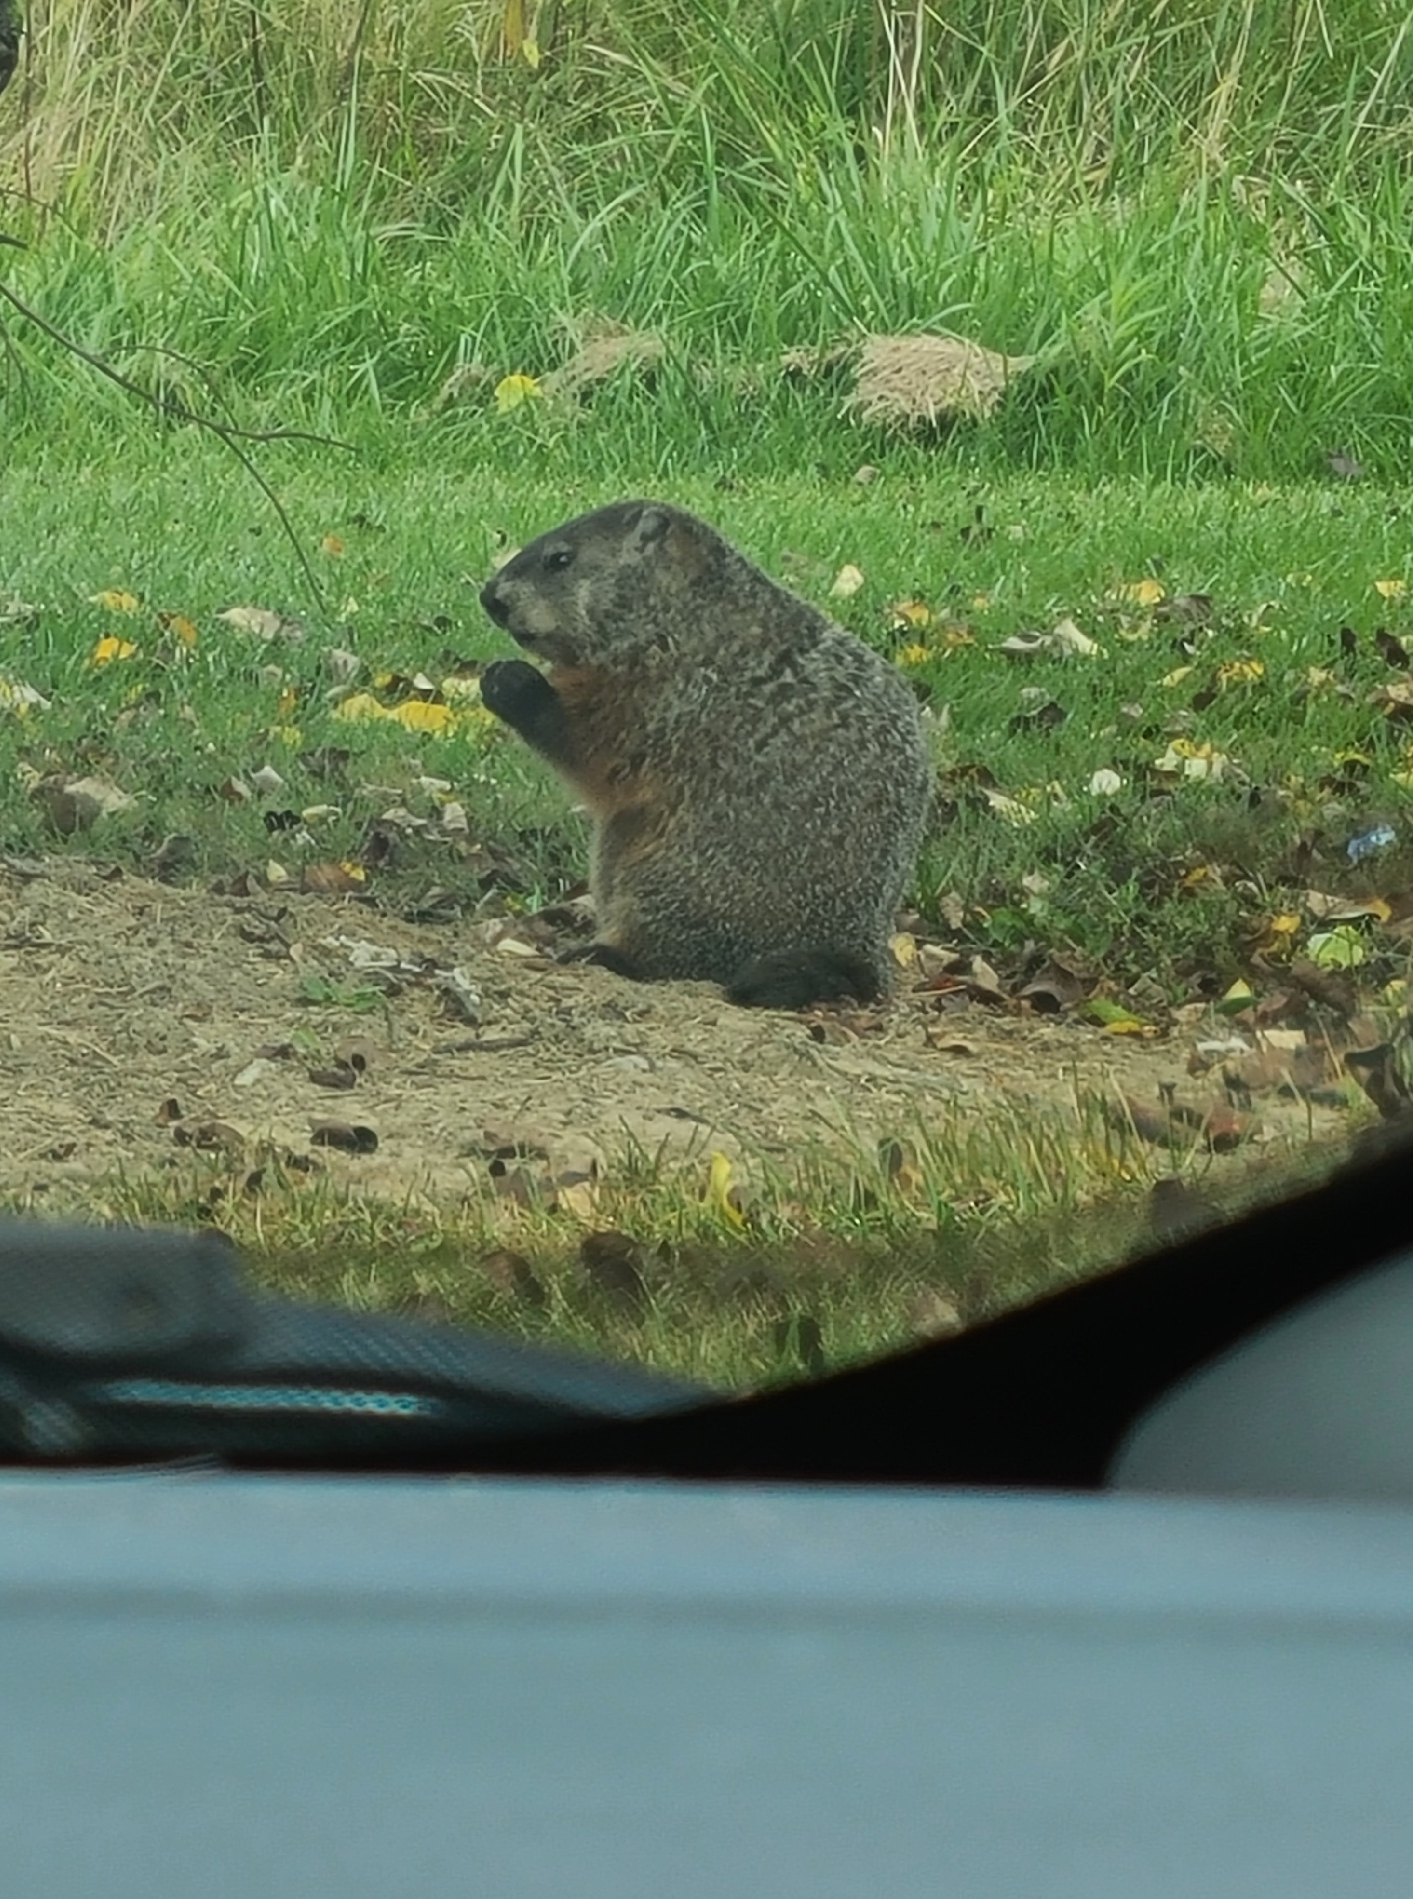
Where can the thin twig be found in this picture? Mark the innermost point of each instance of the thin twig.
(174, 409)
(170, 406)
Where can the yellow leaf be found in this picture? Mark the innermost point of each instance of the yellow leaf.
(847, 582)
(109, 649)
(289, 735)
(180, 628)
(287, 702)
(1142, 593)
(1196, 877)
(914, 656)
(332, 545)
(1176, 676)
(424, 715)
(914, 613)
(16, 696)
(980, 602)
(511, 391)
(954, 637)
(720, 1194)
(530, 53)
(360, 706)
(1391, 589)
(904, 948)
(1236, 672)
(116, 602)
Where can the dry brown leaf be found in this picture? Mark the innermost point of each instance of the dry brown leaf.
(513, 1275)
(614, 1262)
(352, 1136)
(74, 804)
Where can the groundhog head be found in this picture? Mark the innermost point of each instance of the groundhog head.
(602, 585)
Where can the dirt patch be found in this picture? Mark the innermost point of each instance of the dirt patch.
(123, 995)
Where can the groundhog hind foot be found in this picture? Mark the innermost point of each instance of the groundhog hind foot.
(605, 956)
(794, 979)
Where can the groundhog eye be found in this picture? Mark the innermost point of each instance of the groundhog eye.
(558, 557)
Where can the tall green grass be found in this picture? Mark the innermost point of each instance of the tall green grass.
(1197, 215)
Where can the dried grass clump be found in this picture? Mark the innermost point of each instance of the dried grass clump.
(603, 349)
(921, 381)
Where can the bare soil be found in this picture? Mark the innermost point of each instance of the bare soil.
(135, 1012)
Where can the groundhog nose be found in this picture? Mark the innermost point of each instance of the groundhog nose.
(494, 603)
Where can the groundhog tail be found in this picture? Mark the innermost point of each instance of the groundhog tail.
(793, 979)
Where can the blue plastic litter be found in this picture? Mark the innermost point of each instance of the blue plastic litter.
(1368, 842)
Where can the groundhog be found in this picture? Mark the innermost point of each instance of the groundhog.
(757, 777)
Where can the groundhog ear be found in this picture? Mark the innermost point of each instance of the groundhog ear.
(649, 528)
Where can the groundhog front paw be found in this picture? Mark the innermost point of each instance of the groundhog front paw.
(515, 691)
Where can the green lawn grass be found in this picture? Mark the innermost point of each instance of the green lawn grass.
(1196, 219)
(1162, 880)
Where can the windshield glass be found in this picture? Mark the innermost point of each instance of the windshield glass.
(952, 834)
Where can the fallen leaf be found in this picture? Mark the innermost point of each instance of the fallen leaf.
(424, 715)
(260, 622)
(1240, 996)
(932, 1315)
(721, 1195)
(15, 696)
(182, 630)
(1240, 672)
(1174, 1209)
(614, 1263)
(1344, 467)
(1340, 948)
(578, 1197)
(351, 1137)
(76, 804)
(116, 601)
(911, 613)
(1325, 908)
(110, 648)
(219, 1135)
(1395, 700)
(903, 948)
(1140, 593)
(1331, 988)
(1191, 609)
(1112, 1018)
(334, 879)
(847, 582)
(1054, 989)
(512, 392)
(513, 1275)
